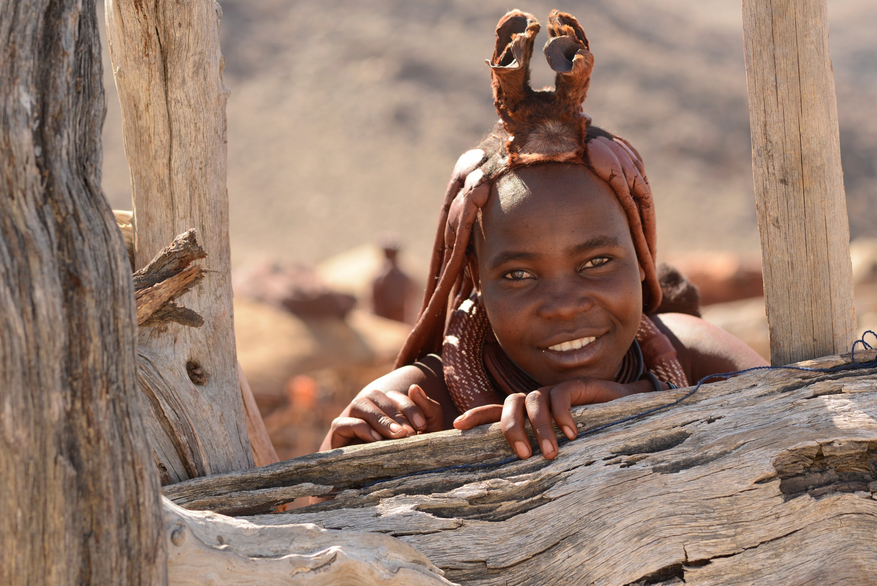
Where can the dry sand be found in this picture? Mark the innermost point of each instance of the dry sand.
(346, 117)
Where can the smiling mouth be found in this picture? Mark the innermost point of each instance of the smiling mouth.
(572, 344)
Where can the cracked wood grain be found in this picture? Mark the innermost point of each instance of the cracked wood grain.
(167, 66)
(745, 482)
(206, 549)
(263, 488)
(80, 501)
(168, 276)
(156, 305)
(798, 179)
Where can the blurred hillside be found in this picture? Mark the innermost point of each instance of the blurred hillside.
(346, 117)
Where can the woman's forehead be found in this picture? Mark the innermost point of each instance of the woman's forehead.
(558, 184)
(560, 202)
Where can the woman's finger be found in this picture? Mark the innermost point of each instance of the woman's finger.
(431, 409)
(589, 391)
(539, 414)
(349, 430)
(365, 409)
(513, 425)
(482, 415)
(413, 414)
(585, 391)
(388, 403)
(559, 397)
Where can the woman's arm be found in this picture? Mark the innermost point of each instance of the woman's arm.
(409, 400)
(703, 348)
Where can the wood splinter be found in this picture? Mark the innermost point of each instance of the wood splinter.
(167, 277)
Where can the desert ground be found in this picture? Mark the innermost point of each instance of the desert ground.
(346, 117)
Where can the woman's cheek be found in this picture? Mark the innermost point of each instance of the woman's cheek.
(507, 315)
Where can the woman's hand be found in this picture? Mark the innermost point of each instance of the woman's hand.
(540, 406)
(375, 415)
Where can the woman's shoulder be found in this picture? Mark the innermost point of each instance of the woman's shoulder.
(703, 348)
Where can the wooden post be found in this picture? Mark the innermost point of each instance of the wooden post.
(798, 179)
(79, 496)
(168, 71)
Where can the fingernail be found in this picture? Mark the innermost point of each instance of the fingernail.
(418, 420)
(570, 434)
(547, 448)
(522, 449)
(375, 435)
(395, 428)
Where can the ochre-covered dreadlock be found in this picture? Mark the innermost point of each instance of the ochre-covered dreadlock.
(535, 127)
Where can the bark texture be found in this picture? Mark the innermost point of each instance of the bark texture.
(768, 478)
(168, 71)
(799, 190)
(206, 549)
(168, 276)
(79, 502)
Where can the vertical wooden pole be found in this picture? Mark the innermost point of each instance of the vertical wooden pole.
(799, 191)
(79, 495)
(167, 66)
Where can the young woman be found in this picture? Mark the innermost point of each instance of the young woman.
(543, 291)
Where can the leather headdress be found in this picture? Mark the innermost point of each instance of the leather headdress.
(546, 125)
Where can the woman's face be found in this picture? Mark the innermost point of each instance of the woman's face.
(558, 272)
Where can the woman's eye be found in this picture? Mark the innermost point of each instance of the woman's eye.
(596, 262)
(518, 275)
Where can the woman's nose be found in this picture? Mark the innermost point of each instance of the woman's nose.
(564, 299)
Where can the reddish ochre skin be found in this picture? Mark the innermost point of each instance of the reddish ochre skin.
(539, 126)
(558, 265)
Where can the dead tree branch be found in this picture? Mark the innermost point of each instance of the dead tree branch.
(168, 276)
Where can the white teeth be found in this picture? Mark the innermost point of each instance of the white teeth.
(572, 344)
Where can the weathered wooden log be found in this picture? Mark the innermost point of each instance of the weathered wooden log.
(766, 478)
(799, 190)
(79, 498)
(206, 549)
(168, 71)
(259, 490)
